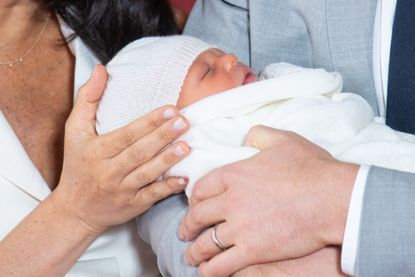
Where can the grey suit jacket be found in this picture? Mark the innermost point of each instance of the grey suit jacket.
(332, 34)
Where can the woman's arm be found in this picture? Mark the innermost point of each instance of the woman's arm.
(106, 180)
(45, 243)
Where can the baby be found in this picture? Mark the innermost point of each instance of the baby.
(156, 71)
(222, 101)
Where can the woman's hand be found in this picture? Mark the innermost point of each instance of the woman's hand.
(288, 201)
(106, 180)
(110, 179)
(323, 263)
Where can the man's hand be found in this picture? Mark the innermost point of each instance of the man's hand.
(323, 263)
(288, 201)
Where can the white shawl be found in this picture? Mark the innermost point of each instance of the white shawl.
(305, 101)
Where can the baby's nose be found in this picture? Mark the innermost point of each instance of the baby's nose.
(228, 61)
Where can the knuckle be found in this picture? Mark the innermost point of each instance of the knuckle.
(171, 184)
(83, 89)
(127, 136)
(164, 134)
(189, 255)
(138, 153)
(197, 194)
(143, 176)
(194, 217)
(154, 119)
(156, 192)
(197, 216)
(202, 244)
(169, 157)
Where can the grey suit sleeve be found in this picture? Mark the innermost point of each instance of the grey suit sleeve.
(158, 227)
(224, 24)
(387, 232)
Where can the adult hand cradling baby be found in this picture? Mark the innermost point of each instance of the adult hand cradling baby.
(128, 163)
(221, 110)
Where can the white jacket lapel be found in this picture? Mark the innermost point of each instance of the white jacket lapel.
(85, 60)
(85, 63)
(16, 166)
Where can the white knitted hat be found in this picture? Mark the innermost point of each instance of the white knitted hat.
(145, 75)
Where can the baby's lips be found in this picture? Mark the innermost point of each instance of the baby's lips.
(250, 78)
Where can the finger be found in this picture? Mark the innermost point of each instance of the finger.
(157, 191)
(153, 169)
(226, 263)
(83, 115)
(210, 185)
(263, 137)
(204, 248)
(121, 138)
(147, 147)
(201, 216)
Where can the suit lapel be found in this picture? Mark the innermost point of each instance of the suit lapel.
(350, 26)
(16, 166)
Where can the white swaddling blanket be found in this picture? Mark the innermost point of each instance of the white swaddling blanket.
(305, 101)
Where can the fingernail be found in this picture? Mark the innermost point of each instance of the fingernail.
(169, 113)
(182, 181)
(179, 124)
(178, 151)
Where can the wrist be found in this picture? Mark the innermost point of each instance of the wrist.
(344, 176)
(66, 210)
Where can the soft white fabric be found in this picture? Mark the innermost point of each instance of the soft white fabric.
(148, 73)
(306, 101)
(382, 37)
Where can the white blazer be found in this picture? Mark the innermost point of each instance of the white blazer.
(117, 252)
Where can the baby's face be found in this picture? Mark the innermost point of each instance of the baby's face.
(213, 72)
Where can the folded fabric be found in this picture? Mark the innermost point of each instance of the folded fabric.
(306, 101)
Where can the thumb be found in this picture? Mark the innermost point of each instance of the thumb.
(82, 118)
(263, 137)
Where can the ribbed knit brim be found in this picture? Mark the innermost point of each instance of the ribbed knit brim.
(145, 75)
